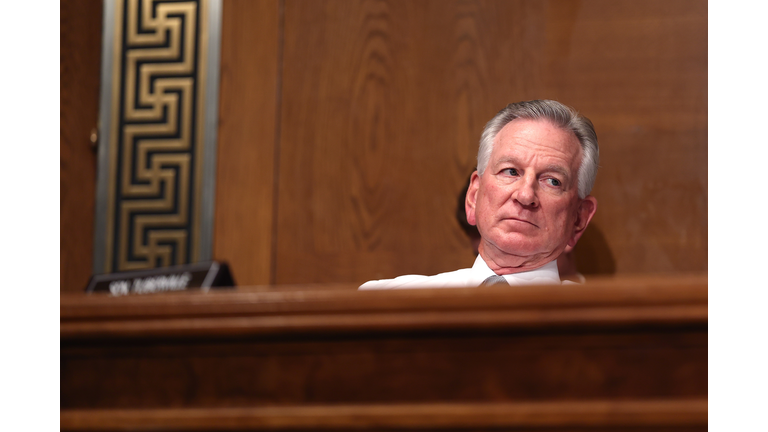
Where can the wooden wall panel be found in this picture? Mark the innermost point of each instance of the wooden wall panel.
(246, 141)
(342, 162)
(639, 71)
(619, 339)
(383, 102)
(80, 58)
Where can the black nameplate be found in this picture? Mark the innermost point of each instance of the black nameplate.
(166, 279)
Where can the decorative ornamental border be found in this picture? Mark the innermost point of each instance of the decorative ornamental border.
(157, 128)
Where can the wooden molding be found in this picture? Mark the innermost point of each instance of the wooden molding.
(549, 415)
(615, 302)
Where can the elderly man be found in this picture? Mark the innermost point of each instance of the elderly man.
(529, 197)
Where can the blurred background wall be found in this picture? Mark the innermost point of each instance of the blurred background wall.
(347, 128)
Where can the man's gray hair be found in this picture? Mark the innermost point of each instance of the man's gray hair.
(560, 115)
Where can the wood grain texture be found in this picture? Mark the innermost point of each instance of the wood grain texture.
(382, 108)
(639, 71)
(404, 366)
(341, 346)
(246, 142)
(352, 172)
(80, 71)
(619, 302)
(384, 103)
(551, 416)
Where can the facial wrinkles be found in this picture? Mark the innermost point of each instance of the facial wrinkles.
(537, 154)
(527, 190)
(540, 159)
(550, 217)
(506, 200)
(524, 201)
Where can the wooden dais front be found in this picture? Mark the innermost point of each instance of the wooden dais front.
(623, 354)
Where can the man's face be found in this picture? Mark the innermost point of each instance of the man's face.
(526, 203)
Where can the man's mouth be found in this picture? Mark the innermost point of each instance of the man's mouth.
(522, 220)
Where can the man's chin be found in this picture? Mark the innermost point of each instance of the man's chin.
(517, 246)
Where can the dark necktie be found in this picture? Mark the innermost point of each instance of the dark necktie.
(494, 280)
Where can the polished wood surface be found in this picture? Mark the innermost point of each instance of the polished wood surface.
(79, 97)
(267, 310)
(639, 71)
(384, 102)
(347, 129)
(393, 96)
(671, 415)
(625, 352)
(246, 141)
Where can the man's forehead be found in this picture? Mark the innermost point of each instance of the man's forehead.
(540, 137)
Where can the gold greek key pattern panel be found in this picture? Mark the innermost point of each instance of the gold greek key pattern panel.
(156, 138)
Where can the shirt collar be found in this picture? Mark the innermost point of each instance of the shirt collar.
(544, 275)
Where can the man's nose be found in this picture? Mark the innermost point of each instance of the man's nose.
(526, 192)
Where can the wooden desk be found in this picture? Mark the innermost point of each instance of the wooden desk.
(623, 354)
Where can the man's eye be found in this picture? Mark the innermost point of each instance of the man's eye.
(510, 171)
(554, 182)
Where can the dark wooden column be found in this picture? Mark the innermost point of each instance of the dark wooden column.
(79, 98)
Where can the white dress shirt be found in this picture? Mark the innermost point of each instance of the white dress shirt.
(545, 275)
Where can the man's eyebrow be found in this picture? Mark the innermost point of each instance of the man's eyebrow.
(558, 169)
(549, 168)
(506, 159)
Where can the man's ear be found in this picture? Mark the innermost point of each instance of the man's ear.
(471, 199)
(585, 211)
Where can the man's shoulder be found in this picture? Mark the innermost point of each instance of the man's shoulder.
(456, 278)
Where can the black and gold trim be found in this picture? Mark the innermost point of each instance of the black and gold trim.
(158, 106)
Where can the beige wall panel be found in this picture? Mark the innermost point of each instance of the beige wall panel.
(246, 141)
(79, 98)
(383, 103)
